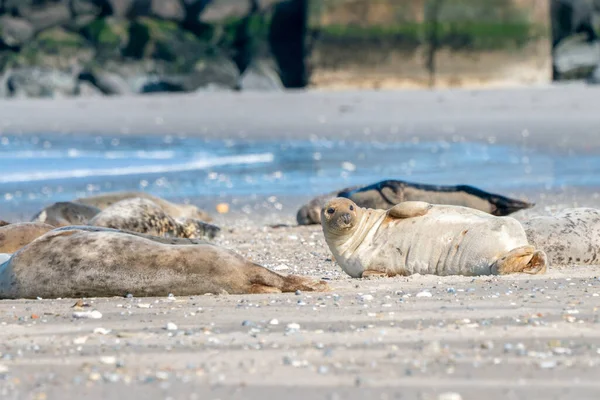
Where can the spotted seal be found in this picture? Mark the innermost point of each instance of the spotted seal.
(571, 236)
(103, 201)
(143, 215)
(72, 262)
(386, 194)
(65, 213)
(418, 237)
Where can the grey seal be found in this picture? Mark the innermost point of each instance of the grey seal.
(15, 236)
(103, 201)
(145, 216)
(65, 213)
(571, 236)
(100, 263)
(388, 193)
(418, 237)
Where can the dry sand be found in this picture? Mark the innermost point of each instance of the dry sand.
(421, 337)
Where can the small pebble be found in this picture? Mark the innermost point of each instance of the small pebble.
(274, 321)
(108, 360)
(293, 326)
(424, 293)
(102, 331)
(171, 327)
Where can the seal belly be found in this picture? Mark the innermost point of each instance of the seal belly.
(445, 242)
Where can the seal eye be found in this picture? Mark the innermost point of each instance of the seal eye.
(351, 208)
(330, 210)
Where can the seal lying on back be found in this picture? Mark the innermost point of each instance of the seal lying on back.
(66, 213)
(418, 237)
(571, 236)
(144, 216)
(386, 194)
(15, 236)
(88, 263)
(103, 201)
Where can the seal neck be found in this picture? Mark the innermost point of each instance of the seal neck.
(367, 226)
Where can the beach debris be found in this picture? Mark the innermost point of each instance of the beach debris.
(281, 267)
(366, 297)
(424, 293)
(3, 369)
(274, 321)
(80, 304)
(102, 331)
(80, 340)
(222, 208)
(87, 314)
(171, 326)
(548, 364)
(143, 305)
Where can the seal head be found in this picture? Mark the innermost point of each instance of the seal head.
(340, 216)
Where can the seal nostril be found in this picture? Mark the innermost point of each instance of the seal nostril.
(346, 218)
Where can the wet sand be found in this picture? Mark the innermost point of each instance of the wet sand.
(421, 337)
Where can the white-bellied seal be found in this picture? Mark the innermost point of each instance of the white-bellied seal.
(65, 213)
(103, 201)
(15, 236)
(101, 263)
(418, 237)
(388, 193)
(145, 216)
(571, 236)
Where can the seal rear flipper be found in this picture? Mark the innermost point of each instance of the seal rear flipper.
(501, 205)
(409, 209)
(524, 259)
(263, 280)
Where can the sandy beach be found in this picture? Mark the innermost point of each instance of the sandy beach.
(420, 337)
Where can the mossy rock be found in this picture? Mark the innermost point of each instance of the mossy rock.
(57, 40)
(107, 32)
(165, 41)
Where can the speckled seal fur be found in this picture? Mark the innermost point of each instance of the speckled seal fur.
(15, 236)
(571, 236)
(103, 201)
(385, 194)
(144, 216)
(418, 237)
(101, 263)
(66, 213)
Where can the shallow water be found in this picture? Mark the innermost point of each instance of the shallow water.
(43, 169)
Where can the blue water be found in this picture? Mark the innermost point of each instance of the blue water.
(52, 168)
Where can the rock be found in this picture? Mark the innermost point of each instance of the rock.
(171, 10)
(120, 8)
(85, 8)
(107, 82)
(574, 57)
(259, 76)
(217, 71)
(14, 32)
(217, 11)
(86, 89)
(38, 82)
(50, 16)
(594, 77)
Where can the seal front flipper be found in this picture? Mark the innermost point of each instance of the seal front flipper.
(409, 209)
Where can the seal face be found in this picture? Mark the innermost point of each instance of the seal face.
(95, 262)
(388, 193)
(571, 236)
(418, 237)
(144, 216)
